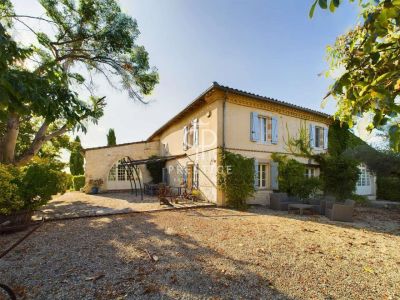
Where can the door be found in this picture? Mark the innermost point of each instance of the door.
(189, 176)
(364, 184)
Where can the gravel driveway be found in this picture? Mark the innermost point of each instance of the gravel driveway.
(75, 204)
(209, 254)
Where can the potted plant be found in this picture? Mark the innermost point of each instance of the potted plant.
(95, 185)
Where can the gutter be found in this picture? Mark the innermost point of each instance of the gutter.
(223, 119)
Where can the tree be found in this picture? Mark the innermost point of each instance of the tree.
(292, 179)
(111, 139)
(76, 159)
(369, 54)
(40, 80)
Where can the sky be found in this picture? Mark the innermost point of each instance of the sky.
(267, 47)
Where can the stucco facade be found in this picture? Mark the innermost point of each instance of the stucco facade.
(220, 118)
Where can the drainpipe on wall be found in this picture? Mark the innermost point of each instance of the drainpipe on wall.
(223, 120)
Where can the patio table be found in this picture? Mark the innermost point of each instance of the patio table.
(300, 207)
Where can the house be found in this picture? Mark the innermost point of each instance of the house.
(221, 117)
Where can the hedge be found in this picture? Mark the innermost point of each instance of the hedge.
(388, 188)
(79, 182)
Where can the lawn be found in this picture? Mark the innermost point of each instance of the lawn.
(209, 253)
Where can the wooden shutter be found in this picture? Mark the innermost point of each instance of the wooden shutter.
(326, 130)
(312, 136)
(255, 174)
(274, 175)
(274, 137)
(254, 127)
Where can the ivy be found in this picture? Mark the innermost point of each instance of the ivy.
(236, 178)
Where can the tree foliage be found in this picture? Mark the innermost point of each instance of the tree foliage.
(155, 169)
(292, 179)
(236, 178)
(76, 159)
(41, 80)
(111, 138)
(369, 54)
(339, 171)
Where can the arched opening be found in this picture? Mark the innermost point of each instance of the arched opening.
(119, 177)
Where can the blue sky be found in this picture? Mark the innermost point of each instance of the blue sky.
(269, 47)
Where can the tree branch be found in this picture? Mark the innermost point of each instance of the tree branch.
(38, 141)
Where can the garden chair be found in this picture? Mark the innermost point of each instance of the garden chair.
(318, 205)
(342, 212)
(280, 201)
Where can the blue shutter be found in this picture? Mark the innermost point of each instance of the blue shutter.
(196, 132)
(255, 174)
(326, 130)
(274, 175)
(254, 127)
(312, 136)
(196, 176)
(274, 134)
(185, 138)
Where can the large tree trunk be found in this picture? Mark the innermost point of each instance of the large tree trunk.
(39, 140)
(10, 138)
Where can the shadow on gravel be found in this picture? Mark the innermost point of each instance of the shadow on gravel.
(127, 257)
(378, 220)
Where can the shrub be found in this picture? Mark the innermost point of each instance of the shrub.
(29, 187)
(39, 182)
(340, 175)
(236, 178)
(10, 199)
(155, 169)
(388, 188)
(78, 182)
(292, 179)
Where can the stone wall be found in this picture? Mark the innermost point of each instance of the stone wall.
(98, 161)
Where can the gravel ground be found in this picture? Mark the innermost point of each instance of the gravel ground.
(210, 253)
(73, 204)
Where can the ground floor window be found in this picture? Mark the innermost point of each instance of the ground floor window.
(310, 172)
(365, 178)
(262, 176)
(118, 172)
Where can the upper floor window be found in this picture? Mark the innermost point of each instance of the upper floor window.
(191, 135)
(263, 129)
(318, 137)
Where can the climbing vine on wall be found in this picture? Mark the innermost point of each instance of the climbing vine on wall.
(236, 178)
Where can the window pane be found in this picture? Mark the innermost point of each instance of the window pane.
(121, 173)
(112, 174)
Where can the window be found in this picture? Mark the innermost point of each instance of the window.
(319, 137)
(263, 129)
(112, 175)
(119, 173)
(262, 178)
(191, 135)
(310, 172)
(365, 178)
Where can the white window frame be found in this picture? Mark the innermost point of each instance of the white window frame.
(262, 176)
(263, 126)
(319, 138)
(310, 172)
(365, 177)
